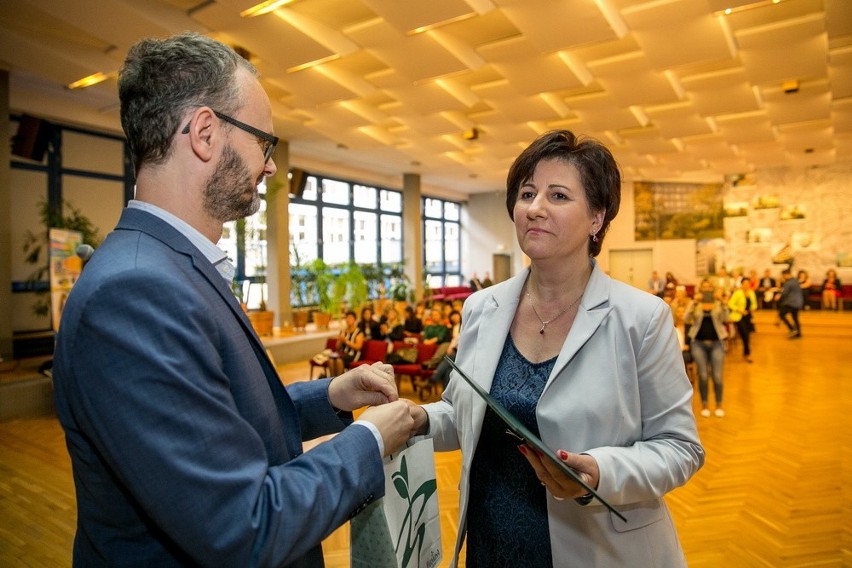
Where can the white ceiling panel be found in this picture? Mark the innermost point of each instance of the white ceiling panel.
(398, 51)
(552, 25)
(754, 127)
(803, 55)
(674, 87)
(601, 112)
(678, 120)
(812, 101)
(407, 17)
(659, 26)
(631, 80)
(538, 75)
(840, 71)
(721, 93)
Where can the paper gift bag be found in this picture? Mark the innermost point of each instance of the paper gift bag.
(402, 529)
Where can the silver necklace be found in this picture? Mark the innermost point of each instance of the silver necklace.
(544, 323)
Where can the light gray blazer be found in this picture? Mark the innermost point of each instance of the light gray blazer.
(618, 392)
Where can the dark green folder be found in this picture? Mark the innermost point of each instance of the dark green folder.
(523, 433)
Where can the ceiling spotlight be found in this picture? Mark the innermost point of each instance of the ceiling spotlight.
(471, 134)
(790, 87)
(92, 79)
(263, 8)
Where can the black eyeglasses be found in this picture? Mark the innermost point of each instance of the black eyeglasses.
(267, 141)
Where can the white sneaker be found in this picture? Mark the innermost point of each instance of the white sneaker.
(705, 413)
(719, 412)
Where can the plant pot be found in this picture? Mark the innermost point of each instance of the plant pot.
(322, 319)
(262, 321)
(300, 320)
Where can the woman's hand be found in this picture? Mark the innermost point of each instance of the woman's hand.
(558, 483)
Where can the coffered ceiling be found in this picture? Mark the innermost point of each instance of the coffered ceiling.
(454, 89)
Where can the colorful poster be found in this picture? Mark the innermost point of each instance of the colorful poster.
(65, 268)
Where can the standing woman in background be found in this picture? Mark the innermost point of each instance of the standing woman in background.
(590, 364)
(742, 303)
(706, 321)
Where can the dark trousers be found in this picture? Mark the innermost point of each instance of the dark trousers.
(744, 330)
(783, 311)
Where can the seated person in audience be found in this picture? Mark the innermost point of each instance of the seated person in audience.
(349, 346)
(656, 285)
(766, 289)
(831, 290)
(412, 325)
(392, 328)
(383, 317)
(436, 330)
(454, 328)
(368, 326)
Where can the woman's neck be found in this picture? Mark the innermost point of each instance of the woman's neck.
(548, 283)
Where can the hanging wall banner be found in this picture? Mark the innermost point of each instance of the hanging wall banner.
(65, 268)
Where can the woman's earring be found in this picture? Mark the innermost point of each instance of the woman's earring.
(594, 237)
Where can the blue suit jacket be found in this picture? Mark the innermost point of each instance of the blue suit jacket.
(186, 448)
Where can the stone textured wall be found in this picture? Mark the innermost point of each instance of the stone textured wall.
(813, 217)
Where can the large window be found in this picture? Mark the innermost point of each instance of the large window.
(340, 221)
(244, 242)
(442, 242)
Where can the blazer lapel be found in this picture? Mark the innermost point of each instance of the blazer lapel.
(594, 308)
(498, 311)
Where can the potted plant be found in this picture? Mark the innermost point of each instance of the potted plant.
(353, 285)
(327, 301)
(401, 291)
(302, 284)
(36, 246)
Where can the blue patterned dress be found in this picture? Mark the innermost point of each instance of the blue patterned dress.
(507, 512)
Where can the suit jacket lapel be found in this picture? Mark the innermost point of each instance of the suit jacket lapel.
(593, 309)
(133, 219)
(498, 311)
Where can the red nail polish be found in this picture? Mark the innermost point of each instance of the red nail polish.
(522, 449)
(563, 455)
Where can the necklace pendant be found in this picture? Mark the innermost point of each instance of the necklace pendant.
(541, 331)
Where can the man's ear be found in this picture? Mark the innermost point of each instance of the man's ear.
(203, 133)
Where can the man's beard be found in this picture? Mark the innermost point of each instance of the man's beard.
(230, 193)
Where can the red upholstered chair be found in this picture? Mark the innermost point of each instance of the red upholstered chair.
(415, 371)
(330, 343)
(373, 350)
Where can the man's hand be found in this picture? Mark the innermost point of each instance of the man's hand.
(365, 385)
(394, 423)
